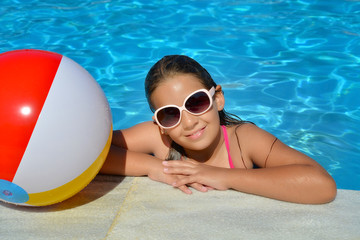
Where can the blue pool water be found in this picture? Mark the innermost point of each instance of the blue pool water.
(292, 67)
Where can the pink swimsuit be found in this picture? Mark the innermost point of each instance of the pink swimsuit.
(226, 139)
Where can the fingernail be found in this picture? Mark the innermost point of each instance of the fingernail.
(166, 169)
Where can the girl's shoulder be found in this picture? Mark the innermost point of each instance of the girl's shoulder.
(248, 130)
(254, 141)
(145, 137)
(143, 127)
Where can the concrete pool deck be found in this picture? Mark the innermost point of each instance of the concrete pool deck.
(115, 207)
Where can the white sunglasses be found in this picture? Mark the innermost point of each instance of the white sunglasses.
(196, 103)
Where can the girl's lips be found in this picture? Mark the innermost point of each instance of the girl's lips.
(196, 134)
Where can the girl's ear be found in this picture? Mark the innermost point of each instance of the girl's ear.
(219, 99)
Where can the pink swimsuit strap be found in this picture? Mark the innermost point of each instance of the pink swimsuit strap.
(227, 145)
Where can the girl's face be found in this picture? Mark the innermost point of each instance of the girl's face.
(194, 132)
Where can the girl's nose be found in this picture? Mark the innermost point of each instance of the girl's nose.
(188, 121)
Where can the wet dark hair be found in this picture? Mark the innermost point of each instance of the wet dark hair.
(170, 66)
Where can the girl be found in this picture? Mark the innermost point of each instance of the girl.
(193, 142)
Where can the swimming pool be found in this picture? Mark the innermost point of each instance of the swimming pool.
(291, 67)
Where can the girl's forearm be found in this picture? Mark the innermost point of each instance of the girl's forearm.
(292, 183)
(123, 162)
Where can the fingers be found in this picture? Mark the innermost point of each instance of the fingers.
(186, 181)
(185, 189)
(186, 169)
(178, 183)
(199, 187)
(176, 163)
(178, 168)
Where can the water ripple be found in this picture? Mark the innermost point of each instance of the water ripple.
(292, 67)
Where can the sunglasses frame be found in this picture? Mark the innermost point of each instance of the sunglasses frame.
(210, 93)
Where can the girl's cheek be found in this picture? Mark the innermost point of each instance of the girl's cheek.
(174, 133)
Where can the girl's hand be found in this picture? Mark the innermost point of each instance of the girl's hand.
(193, 172)
(159, 176)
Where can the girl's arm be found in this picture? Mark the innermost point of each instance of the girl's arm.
(133, 151)
(289, 175)
(139, 151)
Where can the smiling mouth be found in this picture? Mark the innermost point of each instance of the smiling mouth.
(196, 134)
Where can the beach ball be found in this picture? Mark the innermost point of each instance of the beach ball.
(55, 127)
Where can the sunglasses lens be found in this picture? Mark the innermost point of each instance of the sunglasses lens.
(198, 103)
(168, 117)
